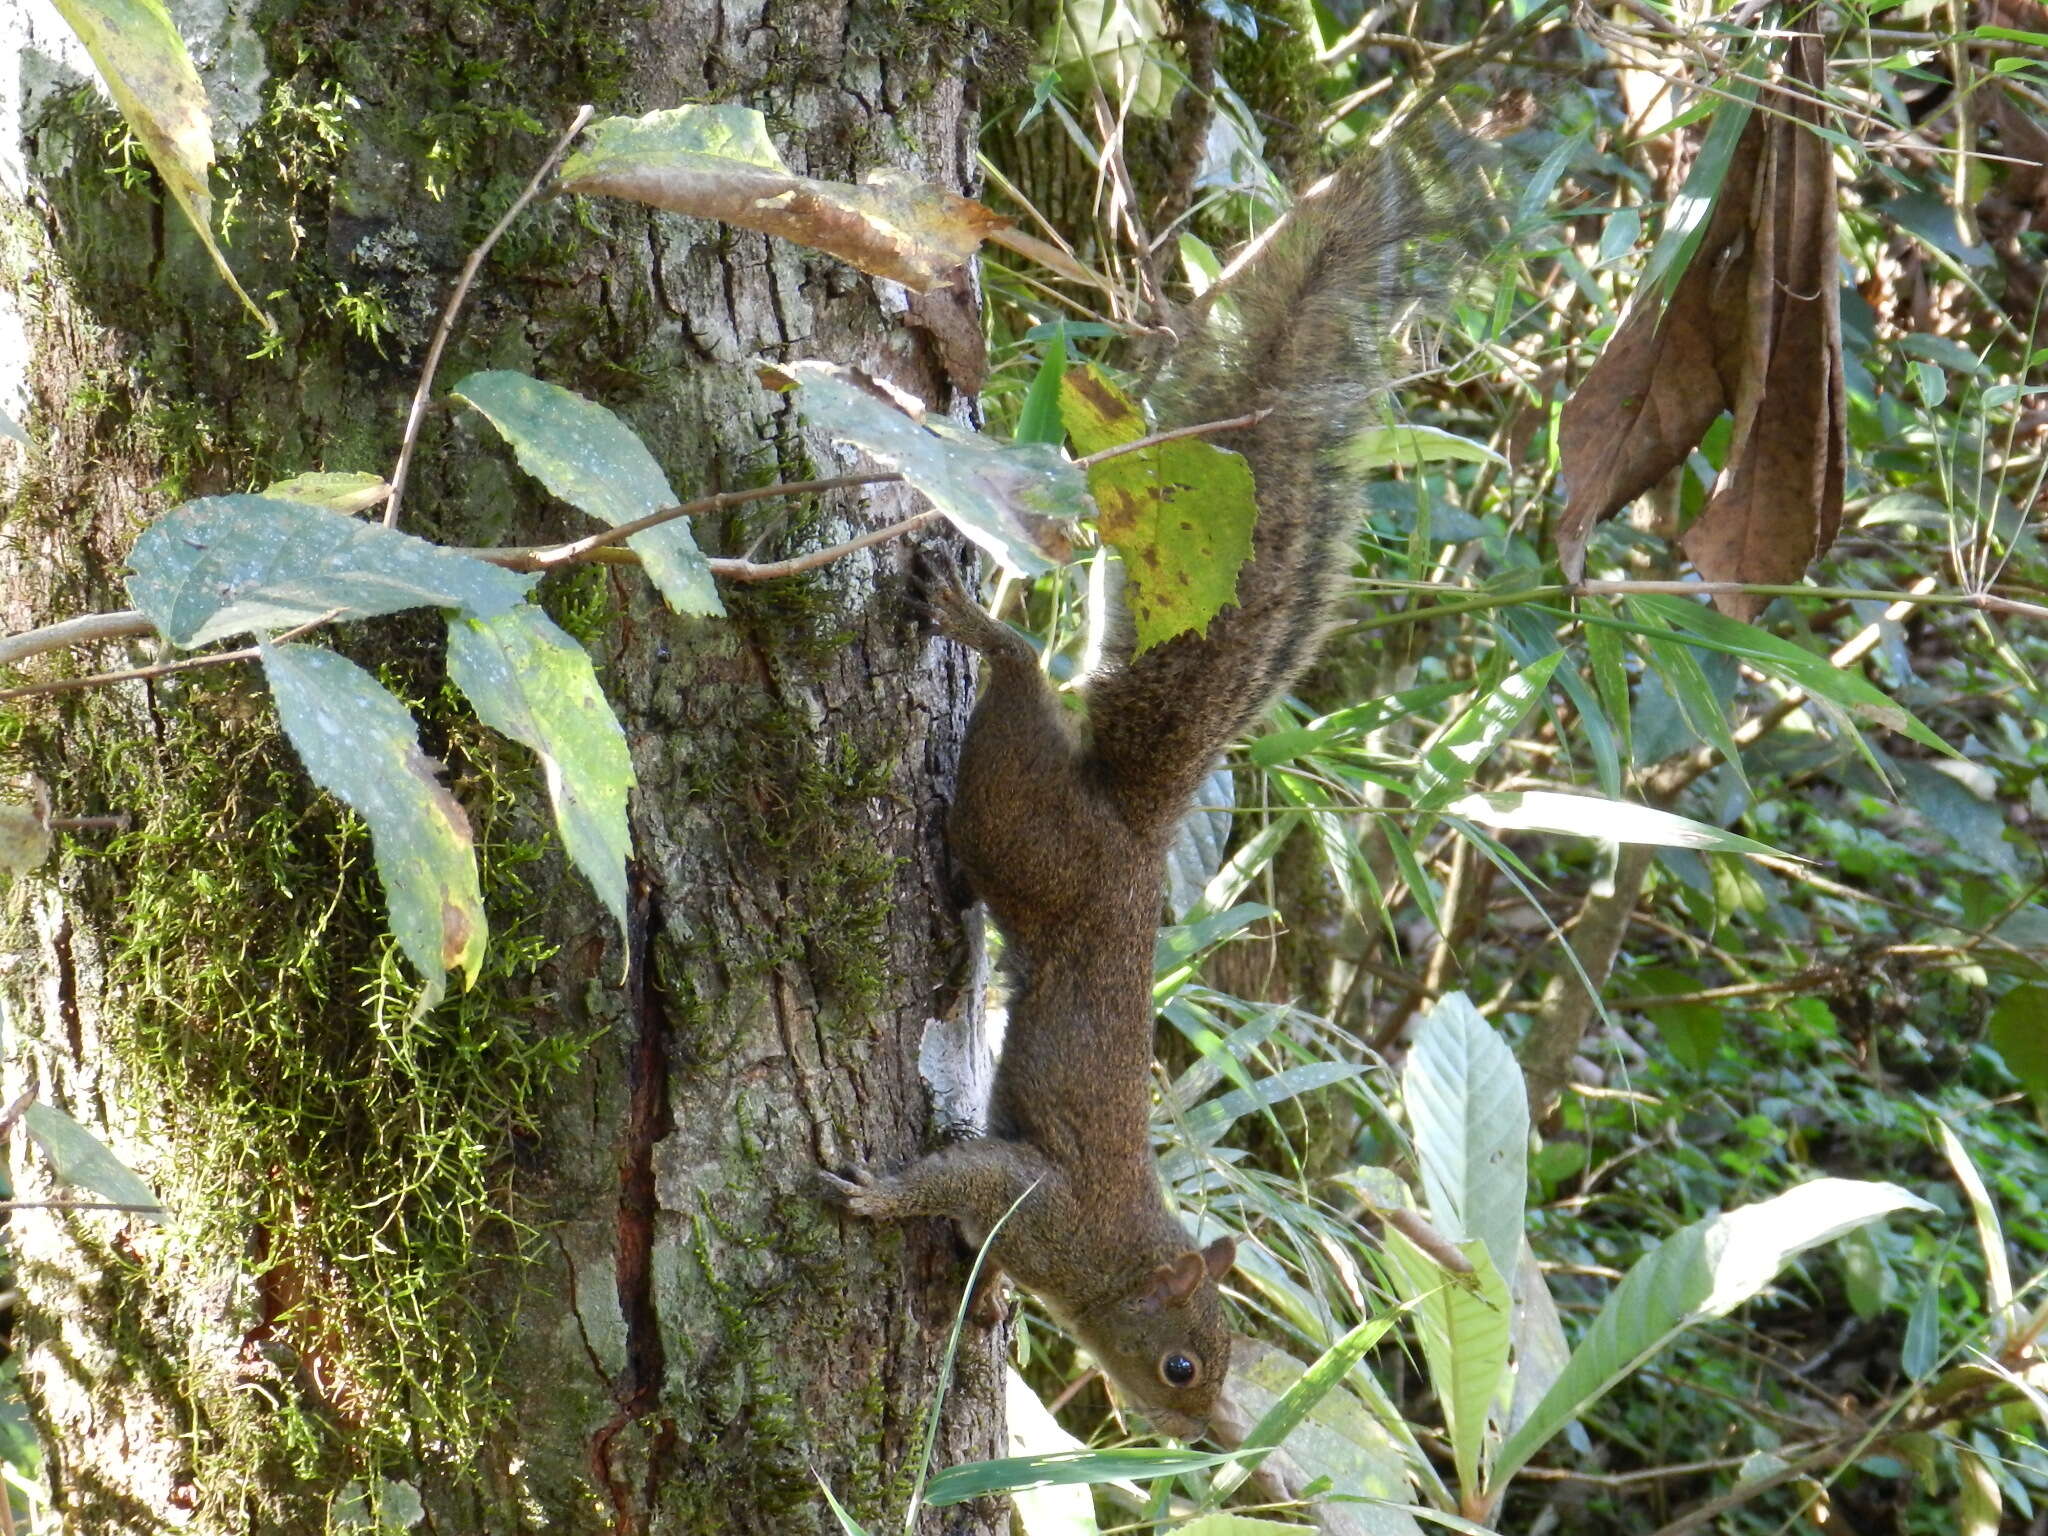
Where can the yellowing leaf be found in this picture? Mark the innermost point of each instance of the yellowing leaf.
(149, 74)
(349, 491)
(718, 163)
(1180, 513)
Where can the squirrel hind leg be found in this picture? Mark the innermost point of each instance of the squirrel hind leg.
(943, 604)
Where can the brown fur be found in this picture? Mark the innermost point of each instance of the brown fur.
(1063, 829)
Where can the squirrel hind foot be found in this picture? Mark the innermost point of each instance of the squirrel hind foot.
(944, 605)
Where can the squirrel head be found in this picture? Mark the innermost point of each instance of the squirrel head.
(1165, 1342)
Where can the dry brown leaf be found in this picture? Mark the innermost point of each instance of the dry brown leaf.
(1778, 503)
(718, 163)
(1753, 327)
(1660, 382)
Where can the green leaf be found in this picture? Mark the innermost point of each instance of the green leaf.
(1685, 221)
(1487, 722)
(1470, 1113)
(1207, 1122)
(359, 744)
(1180, 513)
(1039, 420)
(979, 1479)
(528, 680)
(1692, 1030)
(1347, 725)
(1706, 1270)
(139, 54)
(81, 1159)
(1462, 1322)
(1219, 1523)
(1003, 496)
(1791, 663)
(227, 565)
(2019, 1033)
(1384, 447)
(1686, 681)
(584, 454)
(1295, 1404)
(1998, 1292)
(349, 491)
(1361, 1453)
(847, 1524)
(1574, 815)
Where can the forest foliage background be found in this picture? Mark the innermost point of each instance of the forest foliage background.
(1841, 970)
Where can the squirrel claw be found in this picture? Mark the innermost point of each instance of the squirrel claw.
(944, 605)
(856, 1188)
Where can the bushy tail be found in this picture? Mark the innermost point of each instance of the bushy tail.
(1318, 308)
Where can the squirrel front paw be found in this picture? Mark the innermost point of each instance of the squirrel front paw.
(859, 1190)
(942, 602)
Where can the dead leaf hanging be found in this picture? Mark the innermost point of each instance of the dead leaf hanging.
(1753, 327)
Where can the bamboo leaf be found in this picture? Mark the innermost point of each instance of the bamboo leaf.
(1546, 810)
(1487, 722)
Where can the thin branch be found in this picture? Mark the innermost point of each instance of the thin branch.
(550, 556)
(747, 570)
(133, 674)
(1199, 429)
(470, 268)
(80, 1205)
(127, 624)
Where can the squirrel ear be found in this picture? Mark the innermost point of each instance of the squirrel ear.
(1219, 1256)
(1172, 1283)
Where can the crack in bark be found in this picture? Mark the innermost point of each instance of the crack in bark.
(648, 1121)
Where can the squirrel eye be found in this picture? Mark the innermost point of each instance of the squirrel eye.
(1177, 1370)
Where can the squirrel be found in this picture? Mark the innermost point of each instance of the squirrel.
(1062, 827)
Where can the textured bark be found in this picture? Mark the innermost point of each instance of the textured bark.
(642, 1320)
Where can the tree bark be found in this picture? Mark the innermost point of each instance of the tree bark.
(548, 1259)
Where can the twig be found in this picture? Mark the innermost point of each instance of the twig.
(15, 1111)
(117, 823)
(69, 632)
(547, 557)
(134, 674)
(165, 669)
(80, 1205)
(1199, 429)
(796, 565)
(446, 328)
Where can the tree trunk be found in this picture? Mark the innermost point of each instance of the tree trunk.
(548, 1259)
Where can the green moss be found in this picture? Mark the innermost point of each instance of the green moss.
(265, 1028)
